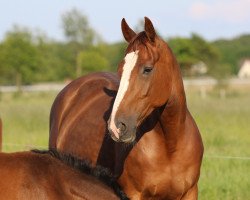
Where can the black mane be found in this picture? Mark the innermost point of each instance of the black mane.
(99, 172)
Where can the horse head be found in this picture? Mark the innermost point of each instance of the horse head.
(145, 81)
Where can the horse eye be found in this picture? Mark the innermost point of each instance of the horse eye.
(147, 70)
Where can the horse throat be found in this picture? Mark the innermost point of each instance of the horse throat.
(173, 117)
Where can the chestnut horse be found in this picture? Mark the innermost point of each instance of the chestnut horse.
(158, 149)
(51, 175)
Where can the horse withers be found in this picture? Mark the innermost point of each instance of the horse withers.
(156, 148)
(53, 176)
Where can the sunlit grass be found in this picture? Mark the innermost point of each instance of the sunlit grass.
(225, 128)
(25, 120)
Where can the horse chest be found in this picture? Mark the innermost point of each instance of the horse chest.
(149, 171)
(154, 181)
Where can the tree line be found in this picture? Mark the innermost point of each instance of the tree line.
(28, 57)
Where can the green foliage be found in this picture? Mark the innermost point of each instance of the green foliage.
(114, 53)
(80, 37)
(190, 51)
(234, 51)
(56, 61)
(221, 71)
(204, 50)
(18, 57)
(184, 51)
(26, 57)
(89, 61)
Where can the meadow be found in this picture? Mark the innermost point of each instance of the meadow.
(223, 122)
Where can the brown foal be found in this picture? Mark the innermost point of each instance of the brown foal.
(53, 176)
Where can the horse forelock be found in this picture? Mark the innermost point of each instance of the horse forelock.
(141, 43)
(140, 39)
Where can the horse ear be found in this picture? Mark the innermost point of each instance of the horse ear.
(149, 29)
(127, 32)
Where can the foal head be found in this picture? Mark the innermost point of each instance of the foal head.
(146, 77)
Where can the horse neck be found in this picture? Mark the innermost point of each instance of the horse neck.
(173, 117)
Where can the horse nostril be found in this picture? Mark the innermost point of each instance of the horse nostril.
(122, 127)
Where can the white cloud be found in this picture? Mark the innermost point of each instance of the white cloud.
(227, 10)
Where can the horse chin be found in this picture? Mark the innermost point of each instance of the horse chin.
(128, 138)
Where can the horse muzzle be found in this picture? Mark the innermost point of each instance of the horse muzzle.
(122, 131)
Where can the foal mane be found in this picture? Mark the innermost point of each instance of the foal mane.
(99, 172)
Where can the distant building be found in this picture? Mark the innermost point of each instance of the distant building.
(199, 68)
(244, 71)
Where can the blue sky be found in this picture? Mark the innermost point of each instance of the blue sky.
(211, 19)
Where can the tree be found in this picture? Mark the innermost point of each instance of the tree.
(233, 51)
(205, 51)
(79, 34)
(19, 57)
(77, 28)
(189, 51)
(114, 53)
(185, 53)
(56, 60)
(90, 61)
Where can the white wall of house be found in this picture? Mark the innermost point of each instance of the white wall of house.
(245, 70)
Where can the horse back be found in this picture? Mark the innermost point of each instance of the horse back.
(80, 112)
(27, 175)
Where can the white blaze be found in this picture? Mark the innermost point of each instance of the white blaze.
(130, 61)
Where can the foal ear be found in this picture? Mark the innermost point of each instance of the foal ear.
(127, 32)
(149, 29)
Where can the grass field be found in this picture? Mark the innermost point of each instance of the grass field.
(224, 125)
(25, 120)
(225, 128)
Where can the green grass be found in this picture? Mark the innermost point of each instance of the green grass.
(223, 123)
(25, 120)
(225, 128)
